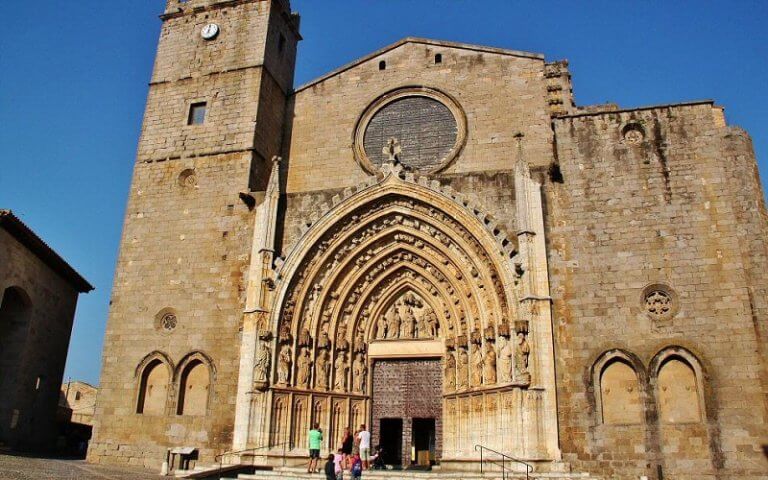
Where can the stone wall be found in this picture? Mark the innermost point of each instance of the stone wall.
(176, 309)
(501, 94)
(654, 243)
(37, 307)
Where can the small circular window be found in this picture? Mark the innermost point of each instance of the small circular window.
(428, 127)
(166, 320)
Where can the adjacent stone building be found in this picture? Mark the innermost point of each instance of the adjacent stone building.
(434, 241)
(37, 307)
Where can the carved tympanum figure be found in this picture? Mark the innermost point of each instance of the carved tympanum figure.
(462, 372)
(341, 368)
(450, 371)
(359, 374)
(393, 321)
(505, 360)
(489, 364)
(304, 366)
(322, 370)
(409, 324)
(262, 364)
(284, 366)
(430, 318)
(360, 340)
(477, 366)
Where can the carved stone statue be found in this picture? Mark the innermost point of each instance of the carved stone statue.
(381, 327)
(409, 324)
(341, 369)
(285, 332)
(305, 339)
(477, 366)
(393, 321)
(450, 371)
(304, 366)
(505, 360)
(360, 340)
(322, 370)
(341, 337)
(462, 371)
(284, 366)
(359, 374)
(324, 341)
(262, 364)
(430, 319)
(489, 364)
(522, 353)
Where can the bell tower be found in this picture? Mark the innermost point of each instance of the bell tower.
(214, 119)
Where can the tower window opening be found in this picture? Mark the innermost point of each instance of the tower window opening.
(438, 58)
(197, 113)
(382, 65)
(281, 43)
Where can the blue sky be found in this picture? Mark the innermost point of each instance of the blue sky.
(74, 81)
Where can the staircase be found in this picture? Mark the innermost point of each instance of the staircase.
(295, 473)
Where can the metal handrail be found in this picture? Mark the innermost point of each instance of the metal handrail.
(220, 457)
(504, 457)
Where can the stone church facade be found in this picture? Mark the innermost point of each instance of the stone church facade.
(434, 241)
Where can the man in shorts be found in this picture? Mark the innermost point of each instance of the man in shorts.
(315, 442)
(365, 445)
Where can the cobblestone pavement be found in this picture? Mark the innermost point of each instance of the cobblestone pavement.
(14, 467)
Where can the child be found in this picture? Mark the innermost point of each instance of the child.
(357, 467)
(330, 468)
(338, 462)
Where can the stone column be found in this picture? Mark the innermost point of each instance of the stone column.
(258, 294)
(535, 301)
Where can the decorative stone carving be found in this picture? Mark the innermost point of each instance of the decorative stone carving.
(168, 322)
(341, 338)
(381, 327)
(360, 340)
(305, 339)
(431, 321)
(304, 367)
(261, 367)
(408, 327)
(393, 321)
(633, 134)
(324, 340)
(489, 364)
(506, 360)
(341, 368)
(284, 366)
(477, 366)
(449, 381)
(359, 374)
(285, 332)
(462, 369)
(322, 370)
(522, 353)
(659, 302)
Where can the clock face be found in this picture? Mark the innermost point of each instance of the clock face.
(210, 31)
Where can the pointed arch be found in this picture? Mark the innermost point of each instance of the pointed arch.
(452, 249)
(678, 380)
(153, 374)
(617, 379)
(194, 377)
(15, 313)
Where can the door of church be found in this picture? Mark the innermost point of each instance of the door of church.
(407, 393)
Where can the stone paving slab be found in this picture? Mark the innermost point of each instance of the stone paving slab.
(13, 467)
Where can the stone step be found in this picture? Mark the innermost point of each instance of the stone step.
(300, 474)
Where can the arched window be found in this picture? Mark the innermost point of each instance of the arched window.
(679, 390)
(153, 389)
(620, 398)
(194, 387)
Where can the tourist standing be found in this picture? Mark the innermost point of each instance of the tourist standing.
(365, 445)
(315, 442)
(346, 446)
